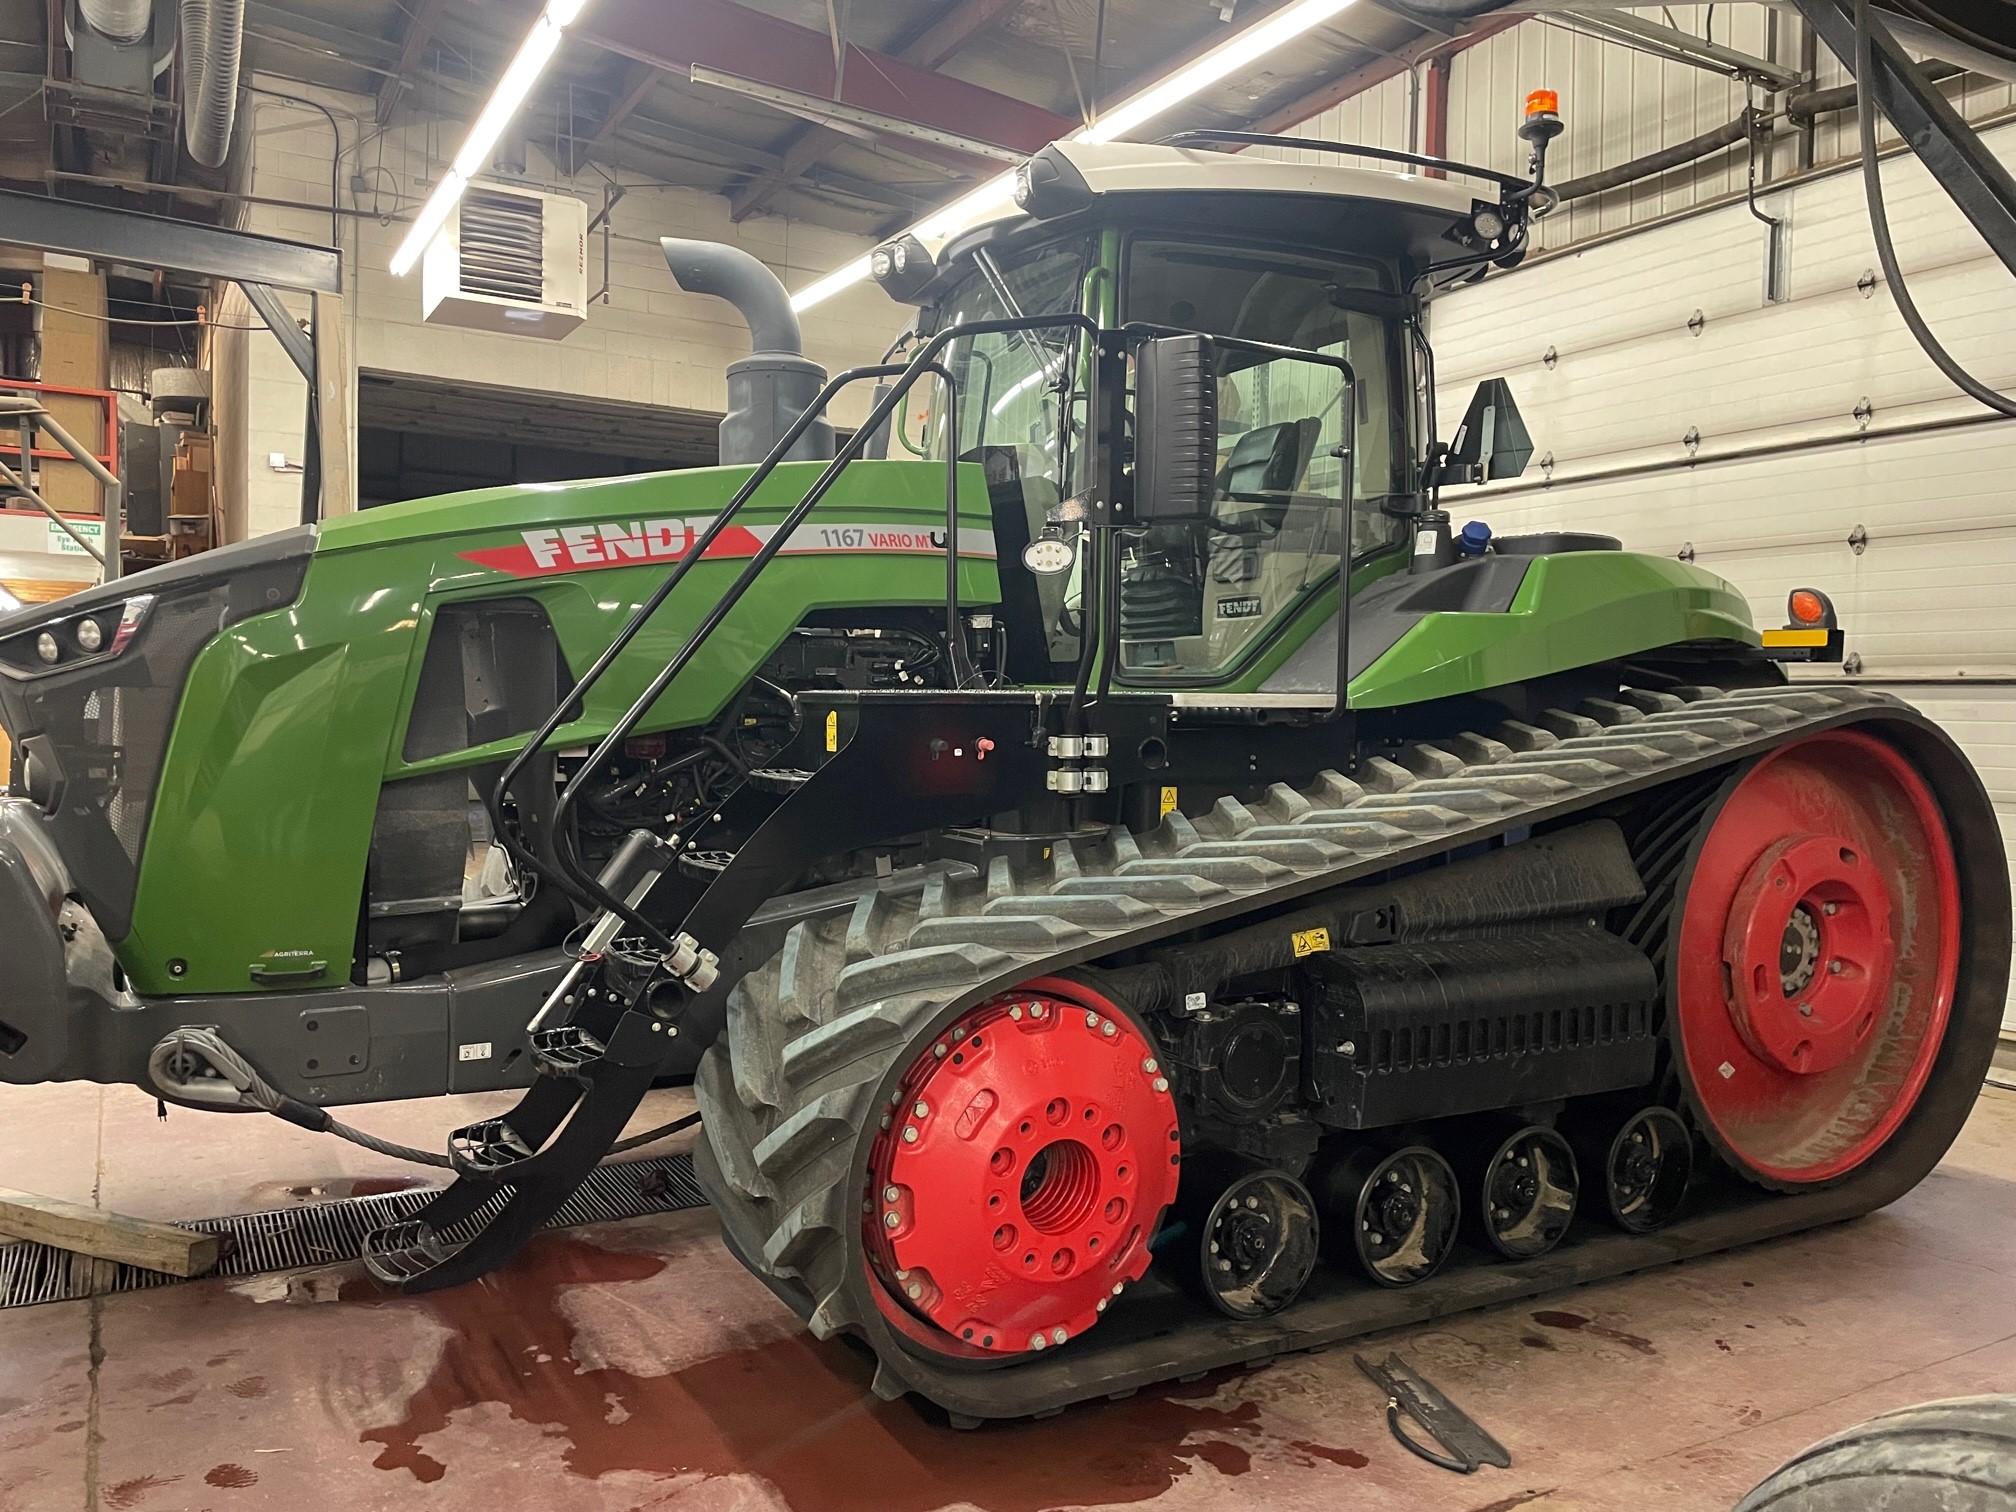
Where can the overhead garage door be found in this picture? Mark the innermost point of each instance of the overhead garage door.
(1781, 431)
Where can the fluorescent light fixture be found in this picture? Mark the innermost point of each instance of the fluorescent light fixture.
(1247, 48)
(534, 53)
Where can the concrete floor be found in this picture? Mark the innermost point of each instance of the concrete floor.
(637, 1366)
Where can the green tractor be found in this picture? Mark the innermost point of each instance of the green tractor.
(1135, 890)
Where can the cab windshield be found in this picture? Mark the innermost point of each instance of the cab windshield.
(1197, 599)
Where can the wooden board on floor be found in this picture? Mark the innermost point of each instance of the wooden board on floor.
(106, 1236)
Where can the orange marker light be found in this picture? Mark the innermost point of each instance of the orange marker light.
(1543, 102)
(1808, 608)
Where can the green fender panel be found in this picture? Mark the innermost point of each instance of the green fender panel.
(1573, 609)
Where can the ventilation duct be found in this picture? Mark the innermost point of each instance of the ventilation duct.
(118, 20)
(213, 34)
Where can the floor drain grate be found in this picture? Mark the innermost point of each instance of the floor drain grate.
(326, 1233)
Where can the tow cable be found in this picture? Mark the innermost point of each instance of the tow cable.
(173, 1068)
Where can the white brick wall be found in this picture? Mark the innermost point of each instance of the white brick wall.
(649, 343)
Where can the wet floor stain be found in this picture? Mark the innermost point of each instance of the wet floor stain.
(134, 1492)
(1350, 1459)
(1569, 1322)
(1508, 1503)
(794, 1411)
(1537, 1341)
(250, 1389)
(231, 1477)
(332, 1189)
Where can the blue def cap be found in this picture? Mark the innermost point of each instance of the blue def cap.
(1474, 540)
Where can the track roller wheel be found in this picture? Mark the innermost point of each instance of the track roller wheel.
(1392, 1213)
(1251, 1240)
(1018, 1173)
(1519, 1189)
(1817, 953)
(1644, 1162)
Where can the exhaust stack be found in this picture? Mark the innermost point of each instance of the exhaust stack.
(769, 389)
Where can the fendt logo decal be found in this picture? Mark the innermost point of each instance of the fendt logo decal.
(584, 548)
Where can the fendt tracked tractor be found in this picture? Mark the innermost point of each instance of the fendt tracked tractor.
(1136, 891)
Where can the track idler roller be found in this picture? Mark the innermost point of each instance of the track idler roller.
(1250, 1237)
(1643, 1162)
(1519, 1188)
(1392, 1213)
(1018, 1172)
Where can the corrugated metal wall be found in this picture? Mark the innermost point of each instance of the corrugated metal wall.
(1619, 104)
(1672, 405)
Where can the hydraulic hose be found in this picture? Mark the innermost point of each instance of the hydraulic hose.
(213, 37)
(254, 1091)
(1879, 226)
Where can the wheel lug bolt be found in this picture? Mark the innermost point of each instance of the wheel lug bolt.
(890, 1194)
(1831, 909)
(1037, 1341)
(891, 1220)
(1016, 1013)
(1091, 1021)
(1148, 1065)
(1834, 968)
(922, 1110)
(1805, 1010)
(1108, 1029)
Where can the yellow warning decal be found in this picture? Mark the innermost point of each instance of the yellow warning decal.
(832, 729)
(1168, 800)
(1791, 637)
(1310, 941)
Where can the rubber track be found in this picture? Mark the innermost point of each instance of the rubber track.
(813, 1031)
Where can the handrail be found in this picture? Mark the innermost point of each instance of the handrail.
(32, 416)
(572, 876)
(1350, 149)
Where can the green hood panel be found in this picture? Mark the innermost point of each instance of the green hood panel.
(291, 721)
(1570, 611)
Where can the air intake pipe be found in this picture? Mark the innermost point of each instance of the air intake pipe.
(776, 382)
(118, 20)
(213, 36)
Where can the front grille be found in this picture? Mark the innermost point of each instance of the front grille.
(97, 734)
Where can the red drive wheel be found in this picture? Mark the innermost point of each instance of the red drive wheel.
(1025, 1159)
(1816, 958)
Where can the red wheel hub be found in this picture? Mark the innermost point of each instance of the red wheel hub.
(1025, 1160)
(1816, 957)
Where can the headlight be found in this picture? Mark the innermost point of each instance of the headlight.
(1489, 224)
(75, 641)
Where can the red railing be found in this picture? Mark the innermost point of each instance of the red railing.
(107, 399)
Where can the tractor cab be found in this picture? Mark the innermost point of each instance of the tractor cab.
(1310, 281)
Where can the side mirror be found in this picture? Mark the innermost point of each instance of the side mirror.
(1175, 430)
(1492, 442)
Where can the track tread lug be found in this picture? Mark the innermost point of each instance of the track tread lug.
(1333, 790)
(830, 1047)
(1092, 910)
(1284, 805)
(1175, 891)
(1303, 850)
(1019, 933)
(1425, 760)
(1245, 871)
(734, 1156)
(806, 1134)
(1647, 701)
(1477, 750)
(1516, 736)
(1378, 775)
(915, 970)
(1567, 726)
(1608, 712)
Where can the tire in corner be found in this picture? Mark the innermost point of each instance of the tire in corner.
(1951, 1456)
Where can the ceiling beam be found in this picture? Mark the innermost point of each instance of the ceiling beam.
(637, 81)
(1398, 62)
(420, 29)
(930, 48)
(720, 35)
